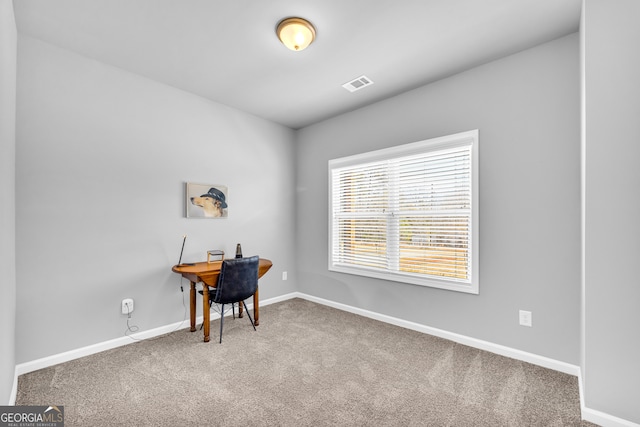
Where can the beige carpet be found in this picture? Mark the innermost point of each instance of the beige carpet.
(307, 365)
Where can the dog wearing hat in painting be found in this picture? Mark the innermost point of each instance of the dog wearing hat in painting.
(213, 203)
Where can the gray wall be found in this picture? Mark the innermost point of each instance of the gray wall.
(526, 107)
(101, 160)
(611, 142)
(8, 45)
(102, 156)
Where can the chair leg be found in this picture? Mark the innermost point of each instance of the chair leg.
(248, 315)
(221, 322)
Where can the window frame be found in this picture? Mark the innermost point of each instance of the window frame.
(468, 138)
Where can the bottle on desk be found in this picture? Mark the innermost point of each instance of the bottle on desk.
(238, 251)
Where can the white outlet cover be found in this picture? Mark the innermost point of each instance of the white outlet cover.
(125, 309)
(525, 318)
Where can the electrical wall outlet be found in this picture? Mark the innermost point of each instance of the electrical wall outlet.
(284, 275)
(127, 306)
(525, 318)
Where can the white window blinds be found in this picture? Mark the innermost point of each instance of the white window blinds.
(407, 213)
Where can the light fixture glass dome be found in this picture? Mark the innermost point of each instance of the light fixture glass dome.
(296, 33)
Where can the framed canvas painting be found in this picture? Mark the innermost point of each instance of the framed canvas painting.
(206, 200)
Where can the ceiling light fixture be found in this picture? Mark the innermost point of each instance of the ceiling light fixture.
(296, 33)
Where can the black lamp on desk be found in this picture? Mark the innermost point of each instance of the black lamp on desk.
(184, 239)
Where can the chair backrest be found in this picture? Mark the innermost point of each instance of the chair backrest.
(238, 280)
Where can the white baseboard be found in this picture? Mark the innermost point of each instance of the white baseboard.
(14, 389)
(605, 420)
(598, 417)
(535, 359)
(55, 359)
(590, 415)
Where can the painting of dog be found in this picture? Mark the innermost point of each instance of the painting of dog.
(206, 201)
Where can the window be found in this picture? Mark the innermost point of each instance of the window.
(408, 213)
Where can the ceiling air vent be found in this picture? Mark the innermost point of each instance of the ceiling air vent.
(357, 84)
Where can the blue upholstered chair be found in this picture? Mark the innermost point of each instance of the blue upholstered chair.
(238, 281)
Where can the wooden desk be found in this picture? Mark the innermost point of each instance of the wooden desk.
(208, 273)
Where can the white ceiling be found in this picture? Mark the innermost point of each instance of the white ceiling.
(227, 51)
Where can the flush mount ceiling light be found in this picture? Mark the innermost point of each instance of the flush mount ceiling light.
(296, 33)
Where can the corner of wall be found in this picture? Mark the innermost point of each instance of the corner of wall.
(8, 66)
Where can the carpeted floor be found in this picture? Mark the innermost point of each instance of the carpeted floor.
(307, 365)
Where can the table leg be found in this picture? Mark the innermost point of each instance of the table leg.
(256, 309)
(192, 306)
(206, 312)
